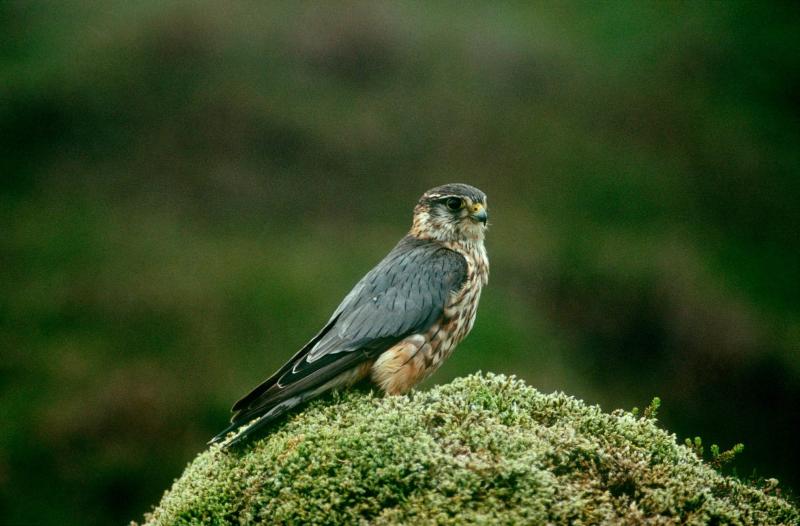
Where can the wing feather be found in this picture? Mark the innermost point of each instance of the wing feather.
(403, 295)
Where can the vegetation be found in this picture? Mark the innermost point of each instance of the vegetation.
(188, 189)
(482, 449)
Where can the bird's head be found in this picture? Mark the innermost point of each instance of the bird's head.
(452, 212)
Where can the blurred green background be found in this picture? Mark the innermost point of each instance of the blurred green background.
(187, 190)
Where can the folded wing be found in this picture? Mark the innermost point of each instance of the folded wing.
(403, 295)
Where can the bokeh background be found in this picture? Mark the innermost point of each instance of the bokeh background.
(187, 190)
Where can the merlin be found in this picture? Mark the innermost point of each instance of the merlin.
(398, 324)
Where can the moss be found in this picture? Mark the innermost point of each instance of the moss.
(486, 448)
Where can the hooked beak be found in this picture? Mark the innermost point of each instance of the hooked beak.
(478, 213)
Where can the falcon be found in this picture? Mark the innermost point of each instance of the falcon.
(398, 324)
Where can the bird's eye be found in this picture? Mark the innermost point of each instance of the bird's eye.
(454, 203)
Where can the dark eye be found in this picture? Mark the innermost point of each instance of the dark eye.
(454, 203)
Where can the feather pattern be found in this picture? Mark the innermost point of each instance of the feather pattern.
(389, 303)
(398, 323)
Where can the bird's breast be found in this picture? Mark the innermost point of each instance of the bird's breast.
(459, 314)
(413, 359)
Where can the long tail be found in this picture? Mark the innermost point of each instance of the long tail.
(250, 428)
(270, 400)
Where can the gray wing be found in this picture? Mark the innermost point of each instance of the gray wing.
(403, 295)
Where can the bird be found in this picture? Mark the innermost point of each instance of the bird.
(398, 323)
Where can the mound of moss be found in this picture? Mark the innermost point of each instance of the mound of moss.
(482, 449)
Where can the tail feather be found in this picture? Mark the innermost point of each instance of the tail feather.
(249, 429)
(251, 398)
(219, 437)
(266, 407)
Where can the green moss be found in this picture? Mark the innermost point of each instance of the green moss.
(485, 448)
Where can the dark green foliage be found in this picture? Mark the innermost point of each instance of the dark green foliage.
(718, 458)
(188, 189)
(482, 449)
(651, 411)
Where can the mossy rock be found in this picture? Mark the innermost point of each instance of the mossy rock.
(482, 449)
